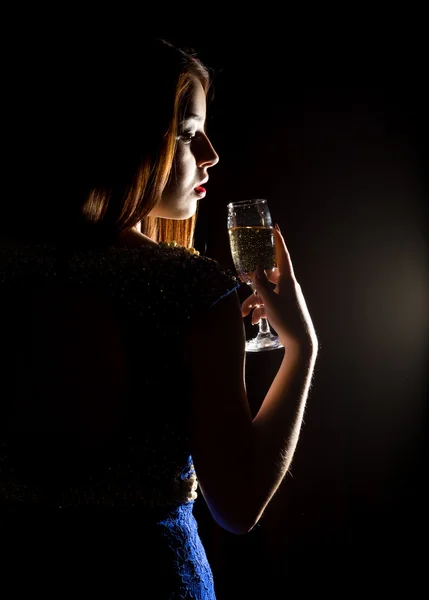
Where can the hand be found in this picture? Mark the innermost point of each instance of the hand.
(284, 306)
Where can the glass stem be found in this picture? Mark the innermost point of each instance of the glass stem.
(263, 326)
(263, 322)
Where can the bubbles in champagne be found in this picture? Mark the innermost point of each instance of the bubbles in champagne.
(251, 246)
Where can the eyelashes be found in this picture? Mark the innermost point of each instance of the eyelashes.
(187, 136)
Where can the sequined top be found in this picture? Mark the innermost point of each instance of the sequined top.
(156, 291)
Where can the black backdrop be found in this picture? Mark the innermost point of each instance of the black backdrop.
(332, 132)
(333, 137)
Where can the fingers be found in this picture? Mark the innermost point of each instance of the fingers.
(283, 259)
(263, 290)
(273, 275)
(262, 284)
(281, 276)
(253, 303)
(257, 314)
(250, 304)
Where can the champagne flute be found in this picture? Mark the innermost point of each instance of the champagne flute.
(251, 240)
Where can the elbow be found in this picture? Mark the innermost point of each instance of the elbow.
(237, 528)
(233, 512)
(234, 527)
(240, 524)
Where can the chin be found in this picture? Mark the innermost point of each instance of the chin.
(179, 209)
(185, 214)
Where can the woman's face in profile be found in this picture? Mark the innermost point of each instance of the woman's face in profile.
(194, 155)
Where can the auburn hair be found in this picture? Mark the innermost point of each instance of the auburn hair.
(94, 147)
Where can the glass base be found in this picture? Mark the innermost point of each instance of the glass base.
(263, 342)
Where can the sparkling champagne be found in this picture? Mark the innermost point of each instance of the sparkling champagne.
(251, 246)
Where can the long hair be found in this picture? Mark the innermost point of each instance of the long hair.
(93, 142)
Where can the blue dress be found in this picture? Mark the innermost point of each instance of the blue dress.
(146, 465)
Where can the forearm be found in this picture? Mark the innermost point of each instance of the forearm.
(276, 426)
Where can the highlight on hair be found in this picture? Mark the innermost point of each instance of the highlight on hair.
(110, 127)
(151, 178)
(172, 229)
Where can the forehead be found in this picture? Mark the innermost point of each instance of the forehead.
(196, 104)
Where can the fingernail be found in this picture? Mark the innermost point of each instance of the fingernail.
(277, 227)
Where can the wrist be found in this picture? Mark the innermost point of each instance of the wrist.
(304, 347)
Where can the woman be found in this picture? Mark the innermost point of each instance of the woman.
(125, 357)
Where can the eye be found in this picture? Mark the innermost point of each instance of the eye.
(187, 136)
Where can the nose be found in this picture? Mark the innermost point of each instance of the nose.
(206, 155)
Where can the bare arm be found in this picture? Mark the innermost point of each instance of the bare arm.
(277, 425)
(240, 462)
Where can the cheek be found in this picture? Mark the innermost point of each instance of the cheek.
(183, 167)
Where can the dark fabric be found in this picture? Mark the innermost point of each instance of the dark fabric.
(147, 465)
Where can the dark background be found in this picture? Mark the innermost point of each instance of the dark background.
(329, 124)
(333, 133)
